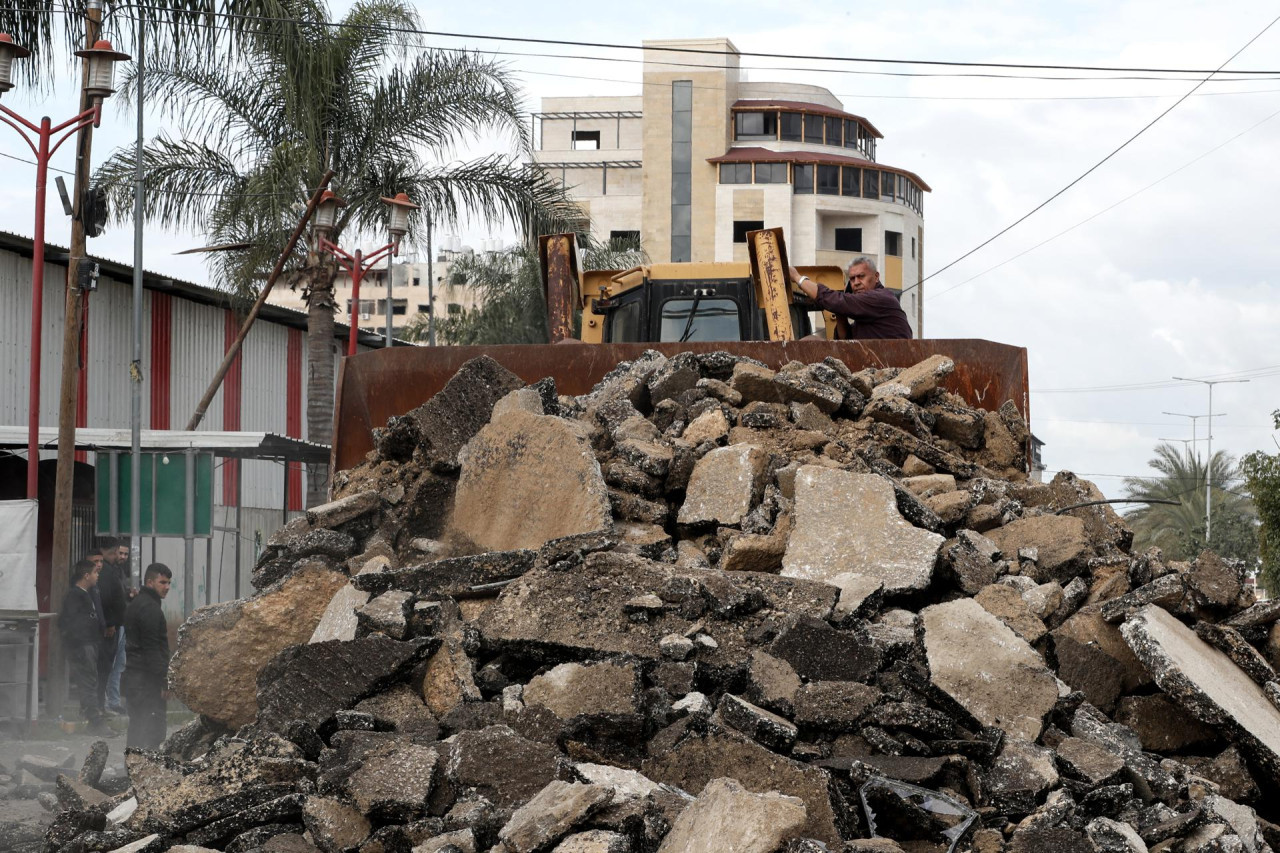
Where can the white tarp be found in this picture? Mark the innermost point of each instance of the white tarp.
(18, 555)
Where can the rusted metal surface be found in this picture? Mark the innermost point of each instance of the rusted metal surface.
(375, 385)
(767, 250)
(559, 257)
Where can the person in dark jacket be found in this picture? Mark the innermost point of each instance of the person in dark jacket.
(146, 671)
(113, 583)
(873, 308)
(79, 623)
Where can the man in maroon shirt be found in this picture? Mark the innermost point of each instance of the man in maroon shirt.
(875, 311)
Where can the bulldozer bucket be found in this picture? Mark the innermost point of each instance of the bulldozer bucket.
(374, 386)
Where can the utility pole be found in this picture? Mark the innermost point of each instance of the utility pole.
(135, 363)
(60, 558)
(1208, 463)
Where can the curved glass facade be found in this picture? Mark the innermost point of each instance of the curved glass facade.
(830, 179)
(812, 128)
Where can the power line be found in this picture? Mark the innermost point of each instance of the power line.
(1267, 427)
(1251, 372)
(1093, 69)
(1109, 208)
(726, 53)
(852, 97)
(1097, 165)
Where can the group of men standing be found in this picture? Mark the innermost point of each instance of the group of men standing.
(116, 642)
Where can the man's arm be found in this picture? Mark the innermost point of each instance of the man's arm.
(868, 305)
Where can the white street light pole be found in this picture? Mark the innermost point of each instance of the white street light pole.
(1208, 465)
(1193, 418)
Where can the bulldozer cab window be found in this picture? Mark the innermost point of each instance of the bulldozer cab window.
(700, 319)
(624, 323)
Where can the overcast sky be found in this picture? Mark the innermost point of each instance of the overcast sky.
(1170, 264)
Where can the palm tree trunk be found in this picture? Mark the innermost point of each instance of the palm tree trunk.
(320, 346)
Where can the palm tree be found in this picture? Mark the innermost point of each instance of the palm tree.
(361, 97)
(1179, 531)
(170, 29)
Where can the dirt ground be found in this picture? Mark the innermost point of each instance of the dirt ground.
(23, 819)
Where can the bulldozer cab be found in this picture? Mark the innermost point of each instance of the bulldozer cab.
(697, 302)
(678, 302)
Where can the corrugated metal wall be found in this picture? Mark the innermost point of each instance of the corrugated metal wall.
(183, 344)
(15, 338)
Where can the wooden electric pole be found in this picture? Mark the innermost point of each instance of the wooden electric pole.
(60, 561)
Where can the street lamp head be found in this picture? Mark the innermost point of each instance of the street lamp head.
(399, 220)
(327, 213)
(8, 53)
(102, 60)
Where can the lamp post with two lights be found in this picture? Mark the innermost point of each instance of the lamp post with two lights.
(358, 263)
(44, 139)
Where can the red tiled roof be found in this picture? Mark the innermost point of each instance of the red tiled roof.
(804, 107)
(764, 155)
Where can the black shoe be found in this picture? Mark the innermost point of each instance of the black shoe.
(118, 710)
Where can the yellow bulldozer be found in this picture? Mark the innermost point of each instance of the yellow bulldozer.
(598, 319)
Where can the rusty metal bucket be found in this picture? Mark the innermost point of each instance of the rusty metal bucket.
(375, 386)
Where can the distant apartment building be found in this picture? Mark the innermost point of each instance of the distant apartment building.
(417, 288)
(704, 156)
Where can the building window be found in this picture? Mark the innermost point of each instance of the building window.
(828, 180)
(681, 171)
(771, 173)
(735, 173)
(417, 282)
(893, 243)
(366, 306)
(742, 226)
(623, 240)
(804, 178)
(886, 187)
(848, 239)
(850, 180)
(913, 248)
(756, 126)
(833, 130)
(424, 308)
(813, 129)
(870, 183)
(398, 306)
(850, 133)
(790, 126)
(586, 140)
(455, 308)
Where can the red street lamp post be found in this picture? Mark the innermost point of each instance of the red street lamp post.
(101, 59)
(359, 263)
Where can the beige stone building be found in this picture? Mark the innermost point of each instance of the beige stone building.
(704, 156)
(416, 288)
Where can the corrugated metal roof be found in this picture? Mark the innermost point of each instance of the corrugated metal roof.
(185, 289)
(239, 445)
(765, 155)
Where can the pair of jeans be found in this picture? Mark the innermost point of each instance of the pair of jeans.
(117, 668)
(106, 655)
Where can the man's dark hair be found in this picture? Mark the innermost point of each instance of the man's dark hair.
(156, 570)
(96, 549)
(79, 570)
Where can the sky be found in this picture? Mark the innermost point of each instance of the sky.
(1161, 262)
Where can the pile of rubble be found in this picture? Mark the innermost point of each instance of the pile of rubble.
(712, 607)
